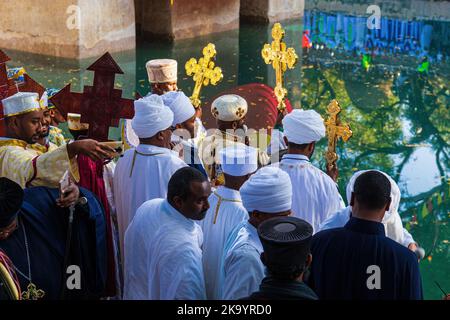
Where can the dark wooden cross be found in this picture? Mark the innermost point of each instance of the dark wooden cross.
(100, 105)
(9, 87)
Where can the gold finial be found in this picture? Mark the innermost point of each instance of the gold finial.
(281, 58)
(204, 72)
(335, 130)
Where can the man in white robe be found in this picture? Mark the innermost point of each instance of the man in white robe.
(391, 220)
(315, 194)
(163, 257)
(266, 194)
(143, 172)
(226, 210)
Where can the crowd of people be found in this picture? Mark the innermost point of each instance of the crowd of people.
(190, 214)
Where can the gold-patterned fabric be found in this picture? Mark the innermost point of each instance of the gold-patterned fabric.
(209, 152)
(56, 137)
(25, 165)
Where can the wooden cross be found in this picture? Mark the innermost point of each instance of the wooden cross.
(204, 72)
(281, 58)
(100, 105)
(335, 130)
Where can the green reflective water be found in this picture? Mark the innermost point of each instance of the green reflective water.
(399, 117)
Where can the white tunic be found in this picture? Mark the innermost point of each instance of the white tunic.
(151, 169)
(315, 196)
(163, 257)
(241, 263)
(224, 214)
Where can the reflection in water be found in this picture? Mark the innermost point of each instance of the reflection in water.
(398, 114)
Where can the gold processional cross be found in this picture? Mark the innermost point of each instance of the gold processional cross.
(204, 72)
(281, 58)
(335, 130)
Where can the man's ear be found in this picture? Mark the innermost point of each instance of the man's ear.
(160, 136)
(388, 205)
(177, 201)
(352, 199)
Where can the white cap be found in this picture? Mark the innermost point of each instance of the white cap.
(229, 107)
(20, 103)
(162, 70)
(239, 160)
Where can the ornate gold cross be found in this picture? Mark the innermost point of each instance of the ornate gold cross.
(204, 72)
(335, 130)
(281, 58)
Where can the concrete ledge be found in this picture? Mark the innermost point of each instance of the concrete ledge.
(70, 28)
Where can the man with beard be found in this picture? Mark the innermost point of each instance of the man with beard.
(229, 111)
(27, 166)
(163, 255)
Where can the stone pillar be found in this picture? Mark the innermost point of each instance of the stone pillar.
(187, 19)
(68, 28)
(271, 10)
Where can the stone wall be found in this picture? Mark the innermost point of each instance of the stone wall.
(68, 28)
(271, 10)
(186, 19)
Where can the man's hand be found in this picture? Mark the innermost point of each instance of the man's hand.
(69, 196)
(91, 148)
(280, 117)
(333, 172)
(412, 246)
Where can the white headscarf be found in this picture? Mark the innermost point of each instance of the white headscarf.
(151, 116)
(303, 126)
(268, 190)
(180, 105)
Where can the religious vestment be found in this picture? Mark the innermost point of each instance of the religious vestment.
(209, 151)
(358, 261)
(224, 214)
(163, 256)
(315, 195)
(20, 162)
(42, 233)
(142, 174)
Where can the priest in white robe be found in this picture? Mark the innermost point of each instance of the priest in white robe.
(226, 210)
(265, 195)
(315, 195)
(144, 171)
(163, 256)
(391, 220)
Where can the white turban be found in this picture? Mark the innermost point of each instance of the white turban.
(303, 126)
(151, 116)
(180, 105)
(239, 160)
(268, 190)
